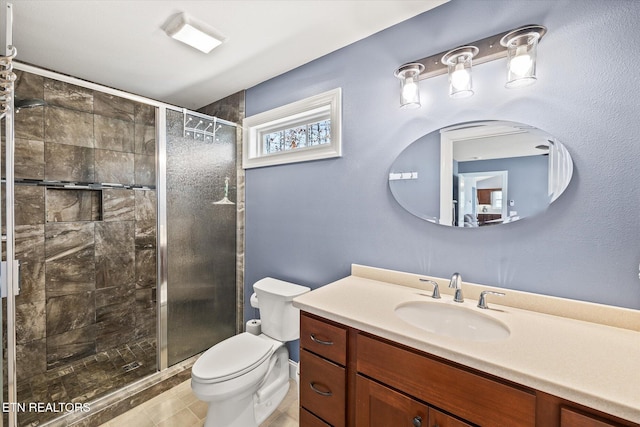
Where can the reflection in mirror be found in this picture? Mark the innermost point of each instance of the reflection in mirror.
(480, 174)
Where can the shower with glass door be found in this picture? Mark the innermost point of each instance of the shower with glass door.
(122, 215)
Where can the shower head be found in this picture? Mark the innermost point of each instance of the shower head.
(28, 103)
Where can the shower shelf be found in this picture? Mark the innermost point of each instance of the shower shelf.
(80, 185)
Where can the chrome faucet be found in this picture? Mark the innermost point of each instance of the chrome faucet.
(456, 283)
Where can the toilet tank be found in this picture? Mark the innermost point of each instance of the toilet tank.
(280, 319)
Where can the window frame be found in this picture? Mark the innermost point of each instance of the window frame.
(324, 106)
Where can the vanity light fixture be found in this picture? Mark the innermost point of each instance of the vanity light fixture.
(459, 65)
(409, 89)
(181, 28)
(519, 45)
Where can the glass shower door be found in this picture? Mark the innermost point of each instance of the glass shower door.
(201, 233)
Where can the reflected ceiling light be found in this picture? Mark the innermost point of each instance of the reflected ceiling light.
(459, 66)
(409, 89)
(181, 28)
(519, 45)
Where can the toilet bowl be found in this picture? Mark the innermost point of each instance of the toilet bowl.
(244, 378)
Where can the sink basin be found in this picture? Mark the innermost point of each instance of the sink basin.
(452, 321)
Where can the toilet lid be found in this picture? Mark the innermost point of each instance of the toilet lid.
(231, 358)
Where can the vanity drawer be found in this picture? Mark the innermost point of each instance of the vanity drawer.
(468, 395)
(307, 419)
(326, 339)
(323, 388)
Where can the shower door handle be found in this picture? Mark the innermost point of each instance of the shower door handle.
(4, 284)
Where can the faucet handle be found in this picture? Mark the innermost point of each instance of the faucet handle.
(436, 289)
(482, 301)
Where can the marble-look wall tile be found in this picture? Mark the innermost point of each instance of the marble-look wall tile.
(113, 106)
(31, 359)
(69, 312)
(73, 205)
(145, 219)
(145, 139)
(69, 346)
(146, 313)
(29, 123)
(145, 170)
(114, 238)
(113, 134)
(30, 322)
(124, 294)
(115, 269)
(30, 251)
(71, 274)
(68, 127)
(118, 205)
(114, 325)
(29, 159)
(69, 163)
(29, 205)
(28, 85)
(67, 95)
(144, 113)
(70, 258)
(64, 239)
(145, 268)
(230, 108)
(114, 167)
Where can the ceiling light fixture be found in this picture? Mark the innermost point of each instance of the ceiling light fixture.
(181, 28)
(519, 45)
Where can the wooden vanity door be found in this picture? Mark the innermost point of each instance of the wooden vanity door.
(379, 406)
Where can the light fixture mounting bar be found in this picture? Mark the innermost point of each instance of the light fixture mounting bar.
(489, 49)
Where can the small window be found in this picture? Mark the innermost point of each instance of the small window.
(304, 130)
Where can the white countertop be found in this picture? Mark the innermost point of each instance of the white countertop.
(588, 363)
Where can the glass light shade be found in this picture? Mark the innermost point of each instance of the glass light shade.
(409, 75)
(459, 63)
(521, 47)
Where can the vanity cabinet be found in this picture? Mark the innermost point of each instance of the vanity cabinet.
(323, 373)
(378, 405)
(355, 379)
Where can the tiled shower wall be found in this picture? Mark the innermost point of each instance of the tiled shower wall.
(88, 269)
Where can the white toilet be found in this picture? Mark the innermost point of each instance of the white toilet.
(244, 378)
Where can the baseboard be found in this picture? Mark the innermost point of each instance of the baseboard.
(293, 369)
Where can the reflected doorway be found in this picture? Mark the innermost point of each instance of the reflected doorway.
(481, 198)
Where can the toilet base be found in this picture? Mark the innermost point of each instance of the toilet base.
(262, 410)
(250, 409)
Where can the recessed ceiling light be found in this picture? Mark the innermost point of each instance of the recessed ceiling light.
(181, 28)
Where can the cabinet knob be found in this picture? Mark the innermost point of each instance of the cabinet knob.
(417, 421)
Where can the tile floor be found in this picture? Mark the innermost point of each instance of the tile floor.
(178, 407)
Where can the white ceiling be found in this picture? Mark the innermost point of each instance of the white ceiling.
(121, 44)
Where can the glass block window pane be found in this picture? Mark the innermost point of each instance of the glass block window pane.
(273, 142)
(293, 138)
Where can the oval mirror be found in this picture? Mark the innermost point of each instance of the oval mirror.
(478, 174)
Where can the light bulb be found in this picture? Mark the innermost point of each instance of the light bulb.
(521, 63)
(409, 89)
(460, 77)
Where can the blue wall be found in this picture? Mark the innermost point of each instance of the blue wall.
(308, 222)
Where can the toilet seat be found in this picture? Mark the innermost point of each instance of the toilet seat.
(231, 358)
